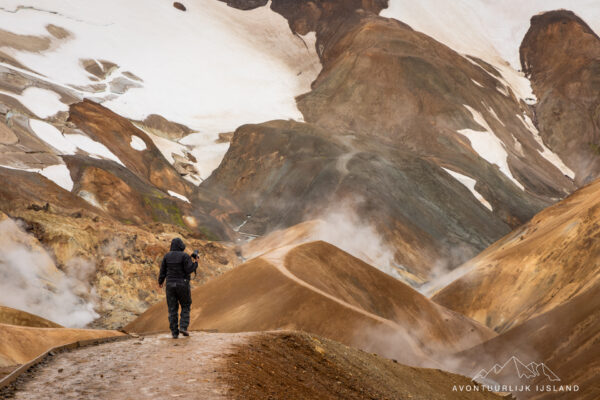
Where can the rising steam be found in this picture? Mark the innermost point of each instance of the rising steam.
(30, 281)
(342, 227)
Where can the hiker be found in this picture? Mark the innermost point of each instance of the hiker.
(176, 268)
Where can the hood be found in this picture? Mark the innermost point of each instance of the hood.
(177, 245)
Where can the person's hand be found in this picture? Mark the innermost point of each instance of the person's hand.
(160, 285)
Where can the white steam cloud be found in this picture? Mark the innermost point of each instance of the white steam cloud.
(30, 281)
(343, 228)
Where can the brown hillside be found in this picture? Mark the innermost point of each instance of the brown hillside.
(318, 288)
(547, 262)
(324, 369)
(11, 316)
(313, 230)
(19, 344)
(566, 339)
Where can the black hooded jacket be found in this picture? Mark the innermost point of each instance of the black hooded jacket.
(176, 265)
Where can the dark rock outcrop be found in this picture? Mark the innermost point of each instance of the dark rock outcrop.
(322, 16)
(159, 125)
(179, 6)
(561, 55)
(245, 4)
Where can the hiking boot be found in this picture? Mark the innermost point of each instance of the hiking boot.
(175, 335)
(184, 333)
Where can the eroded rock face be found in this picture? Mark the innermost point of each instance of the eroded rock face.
(281, 172)
(115, 132)
(561, 54)
(149, 179)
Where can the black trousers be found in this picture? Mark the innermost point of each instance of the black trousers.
(178, 293)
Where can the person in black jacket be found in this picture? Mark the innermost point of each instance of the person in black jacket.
(176, 268)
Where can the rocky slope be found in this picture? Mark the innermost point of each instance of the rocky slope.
(82, 266)
(317, 288)
(409, 132)
(565, 339)
(561, 55)
(539, 266)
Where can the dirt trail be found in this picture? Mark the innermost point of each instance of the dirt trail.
(273, 365)
(154, 367)
(276, 259)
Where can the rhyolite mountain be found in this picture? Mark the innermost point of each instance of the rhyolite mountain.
(561, 55)
(437, 151)
(433, 147)
(250, 127)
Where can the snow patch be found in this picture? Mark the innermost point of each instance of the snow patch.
(206, 151)
(201, 146)
(52, 136)
(470, 184)
(191, 75)
(166, 147)
(137, 143)
(491, 110)
(488, 146)
(42, 102)
(90, 198)
(92, 147)
(546, 152)
(58, 174)
(68, 144)
(179, 196)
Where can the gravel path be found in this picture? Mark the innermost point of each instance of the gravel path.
(151, 367)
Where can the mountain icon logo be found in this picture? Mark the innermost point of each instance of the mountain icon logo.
(522, 370)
